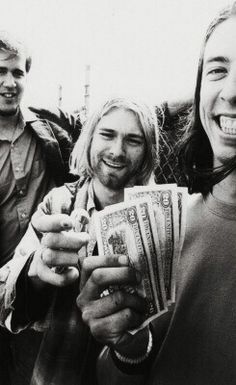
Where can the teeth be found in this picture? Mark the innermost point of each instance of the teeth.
(8, 95)
(115, 165)
(228, 125)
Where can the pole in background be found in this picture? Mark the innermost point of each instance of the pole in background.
(86, 89)
(59, 95)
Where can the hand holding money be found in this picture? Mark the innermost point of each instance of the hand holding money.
(123, 310)
(148, 227)
(59, 249)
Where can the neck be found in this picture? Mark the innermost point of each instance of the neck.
(105, 196)
(226, 189)
(9, 121)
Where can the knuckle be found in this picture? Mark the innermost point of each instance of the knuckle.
(81, 303)
(48, 257)
(95, 329)
(86, 316)
(97, 276)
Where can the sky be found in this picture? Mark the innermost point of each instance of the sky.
(140, 48)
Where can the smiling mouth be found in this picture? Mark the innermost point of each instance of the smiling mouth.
(115, 165)
(227, 125)
(8, 95)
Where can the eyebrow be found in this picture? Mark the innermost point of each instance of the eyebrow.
(132, 135)
(221, 59)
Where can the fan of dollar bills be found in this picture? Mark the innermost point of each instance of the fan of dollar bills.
(149, 228)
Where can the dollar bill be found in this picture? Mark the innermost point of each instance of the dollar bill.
(165, 206)
(118, 231)
(182, 193)
(152, 248)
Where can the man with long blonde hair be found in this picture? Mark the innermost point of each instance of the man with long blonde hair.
(116, 149)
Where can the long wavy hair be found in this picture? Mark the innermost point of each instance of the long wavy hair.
(80, 163)
(196, 155)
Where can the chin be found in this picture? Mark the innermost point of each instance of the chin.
(8, 112)
(222, 159)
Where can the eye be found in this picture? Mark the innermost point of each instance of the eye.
(216, 73)
(106, 135)
(3, 71)
(134, 141)
(18, 74)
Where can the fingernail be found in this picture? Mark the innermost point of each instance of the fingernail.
(66, 224)
(123, 260)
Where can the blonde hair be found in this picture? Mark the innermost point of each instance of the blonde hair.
(80, 159)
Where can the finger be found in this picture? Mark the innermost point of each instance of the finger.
(39, 271)
(111, 304)
(65, 240)
(80, 219)
(104, 277)
(121, 322)
(51, 223)
(67, 277)
(91, 263)
(53, 258)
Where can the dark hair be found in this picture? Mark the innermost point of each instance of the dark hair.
(196, 155)
(9, 43)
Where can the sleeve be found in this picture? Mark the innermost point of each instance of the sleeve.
(108, 373)
(111, 371)
(71, 123)
(10, 273)
(15, 290)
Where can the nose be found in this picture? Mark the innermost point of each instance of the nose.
(117, 147)
(9, 80)
(228, 92)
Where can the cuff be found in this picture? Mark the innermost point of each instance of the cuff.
(136, 368)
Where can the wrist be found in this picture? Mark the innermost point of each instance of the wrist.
(136, 359)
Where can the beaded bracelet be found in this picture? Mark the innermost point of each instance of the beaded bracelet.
(135, 361)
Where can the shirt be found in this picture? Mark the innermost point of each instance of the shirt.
(23, 183)
(68, 352)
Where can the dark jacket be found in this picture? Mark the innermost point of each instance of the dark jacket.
(57, 145)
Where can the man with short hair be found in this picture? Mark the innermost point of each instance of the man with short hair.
(116, 149)
(34, 158)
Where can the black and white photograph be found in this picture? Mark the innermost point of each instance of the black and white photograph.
(118, 192)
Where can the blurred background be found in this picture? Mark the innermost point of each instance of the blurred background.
(86, 50)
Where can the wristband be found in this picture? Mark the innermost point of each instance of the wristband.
(138, 360)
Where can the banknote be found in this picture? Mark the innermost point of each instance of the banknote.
(165, 206)
(152, 247)
(182, 193)
(118, 231)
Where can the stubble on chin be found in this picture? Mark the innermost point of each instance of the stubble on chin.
(9, 113)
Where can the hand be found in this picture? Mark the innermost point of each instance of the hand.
(59, 248)
(110, 317)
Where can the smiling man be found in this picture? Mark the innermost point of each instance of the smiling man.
(116, 149)
(195, 342)
(29, 150)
